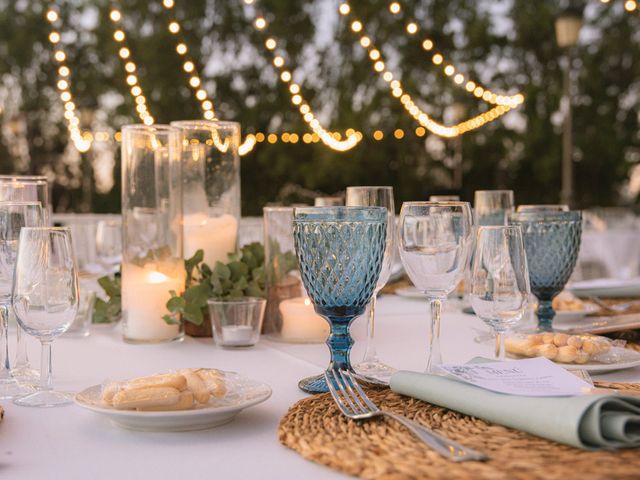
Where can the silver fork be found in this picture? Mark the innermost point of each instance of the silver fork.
(618, 308)
(355, 404)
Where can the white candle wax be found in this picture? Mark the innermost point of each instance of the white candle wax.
(145, 292)
(238, 335)
(216, 236)
(300, 322)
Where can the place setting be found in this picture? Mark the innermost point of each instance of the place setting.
(378, 240)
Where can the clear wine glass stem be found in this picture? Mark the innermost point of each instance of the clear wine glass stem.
(5, 367)
(500, 351)
(45, 366)
(370, 354)
(22, 358)
(435, 358)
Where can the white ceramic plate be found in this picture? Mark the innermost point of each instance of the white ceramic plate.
(241, 393)
(628, 359)
(569, 316)
(606, 287)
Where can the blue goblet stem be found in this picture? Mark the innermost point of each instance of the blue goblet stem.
(340, 343)
(545, 314)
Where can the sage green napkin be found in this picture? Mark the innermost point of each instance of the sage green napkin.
(588, 421)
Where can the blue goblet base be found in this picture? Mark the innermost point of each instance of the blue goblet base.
(313, 385)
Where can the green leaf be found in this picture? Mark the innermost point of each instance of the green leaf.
(222, 271)
(238, 270)
(170, 320)
(196, 296)
(176, 304)
(193, 314)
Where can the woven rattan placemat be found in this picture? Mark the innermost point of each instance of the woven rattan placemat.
(383, 449)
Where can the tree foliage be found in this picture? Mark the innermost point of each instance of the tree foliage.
(508, 45)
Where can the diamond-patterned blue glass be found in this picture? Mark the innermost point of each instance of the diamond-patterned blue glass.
(552, 242)
(340, 252)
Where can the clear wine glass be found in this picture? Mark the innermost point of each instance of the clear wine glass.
(109, 244)
(435, 241)
(45, 299)
(13, 216)
(370, 365)
(25, 188)
(499, 280)
(492, 207)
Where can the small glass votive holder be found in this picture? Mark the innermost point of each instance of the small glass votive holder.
(82, 321)
(237, 322)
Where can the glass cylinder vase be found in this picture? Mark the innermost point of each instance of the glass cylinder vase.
(211, 182)
(152, 262)
(290, 316)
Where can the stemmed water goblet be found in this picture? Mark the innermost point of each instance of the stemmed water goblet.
(552, 242)
(499, 280)
(340, 252)
(370, 365)
(24, 188)
(45, 299)
(435, 241)
(13, 217)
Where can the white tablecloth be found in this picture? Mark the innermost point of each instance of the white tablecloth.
(71, 443)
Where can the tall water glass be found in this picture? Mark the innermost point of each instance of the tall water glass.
(552, 243)
(45, 299)
(499, 280)
(492, 207)
(13, 216)
(109, 244)
(25, 188)
(340, 251)
(435, 240)
(376, 197)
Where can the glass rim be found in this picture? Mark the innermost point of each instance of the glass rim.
(369, 187)
(47, 229)
(24, 178)
(546, 215)
(282, 208)
(21, 203)
(447, 203)
(188, 125)
(237, 301)
(142, 128)
(340, 214)
(499, 227)
(493, 191)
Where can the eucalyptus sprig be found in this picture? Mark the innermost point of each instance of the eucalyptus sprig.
(242, 276)
(109, 311)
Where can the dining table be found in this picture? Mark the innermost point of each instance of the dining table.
(71, 442)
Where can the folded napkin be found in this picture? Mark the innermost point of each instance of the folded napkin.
(589, 422)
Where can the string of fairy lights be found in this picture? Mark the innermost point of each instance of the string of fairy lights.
(63, 83)
(130, 67)
(451, 71)
(629, 5)
(195, 83)
(333, 140)
(395, 86)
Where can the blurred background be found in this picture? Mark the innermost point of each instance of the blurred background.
(509, 46)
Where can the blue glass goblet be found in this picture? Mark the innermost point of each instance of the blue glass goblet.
(552, 242)
(340, 252)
